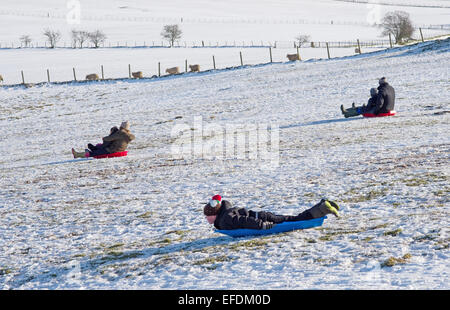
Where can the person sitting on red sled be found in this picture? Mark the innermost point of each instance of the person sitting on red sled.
(117, 141)
(382, 101)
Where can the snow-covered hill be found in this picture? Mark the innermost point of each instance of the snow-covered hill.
(136, 222)
(210, 20)
(131, 23)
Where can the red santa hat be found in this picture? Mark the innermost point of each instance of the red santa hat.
(213, 206)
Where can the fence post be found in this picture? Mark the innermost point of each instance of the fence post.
(240, 55)
(328, 50)
(390, 40)
(270, 53)
(23, 78)
(359, 46)
(48, 75)
(103, 75)
(214, 62)
(421, 35)
(159, 69)
(74, 75)
(129, 71)
(185, 65)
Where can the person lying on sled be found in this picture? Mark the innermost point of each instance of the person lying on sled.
(381, 101)
(224, 216)
(116, 142)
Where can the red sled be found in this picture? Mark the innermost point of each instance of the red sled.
(118, 154)
(390, 113)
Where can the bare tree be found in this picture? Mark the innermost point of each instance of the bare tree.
(398, 24)
(83, 36)
(74, 34)
(52, 37)
(302, 39)
(171, 33)
(25, 40)
(79, 37)
(97, 37)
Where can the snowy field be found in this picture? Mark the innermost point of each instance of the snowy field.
(136, 222)
(140, 22)
(267, 20)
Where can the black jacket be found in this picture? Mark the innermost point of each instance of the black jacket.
(372, 103)
(234, 218)
(385, 99)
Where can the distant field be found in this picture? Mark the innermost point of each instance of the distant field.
(256, 20)
(115, 61)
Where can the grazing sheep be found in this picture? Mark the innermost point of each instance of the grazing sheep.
(194, 68)
(137, 75)
(92, 77)
(293, 57)
(174, 70)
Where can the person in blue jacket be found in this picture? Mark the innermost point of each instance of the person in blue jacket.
(224, 216)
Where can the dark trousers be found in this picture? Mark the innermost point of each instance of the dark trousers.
(99, 150)
(366, 109)
(275, 218)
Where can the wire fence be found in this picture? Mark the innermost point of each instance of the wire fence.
(437, 27)
(188, 20)
(404, 4)
(203, 43)
(239, 60)
(216, 20)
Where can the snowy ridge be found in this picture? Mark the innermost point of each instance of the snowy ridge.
(136, 222)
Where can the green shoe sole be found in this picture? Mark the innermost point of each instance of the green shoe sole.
(331, 208)
(335, 205)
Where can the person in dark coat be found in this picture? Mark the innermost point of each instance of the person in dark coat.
(371, 103)
(116, 142)
(386, 97)
(92, 148)
(224, 216)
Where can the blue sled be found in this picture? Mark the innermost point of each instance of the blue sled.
(278, 228)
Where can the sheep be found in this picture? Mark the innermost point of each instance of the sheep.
(137, 75)
(194, 68)
(293, 57)
(92, 77)
(174, 70)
